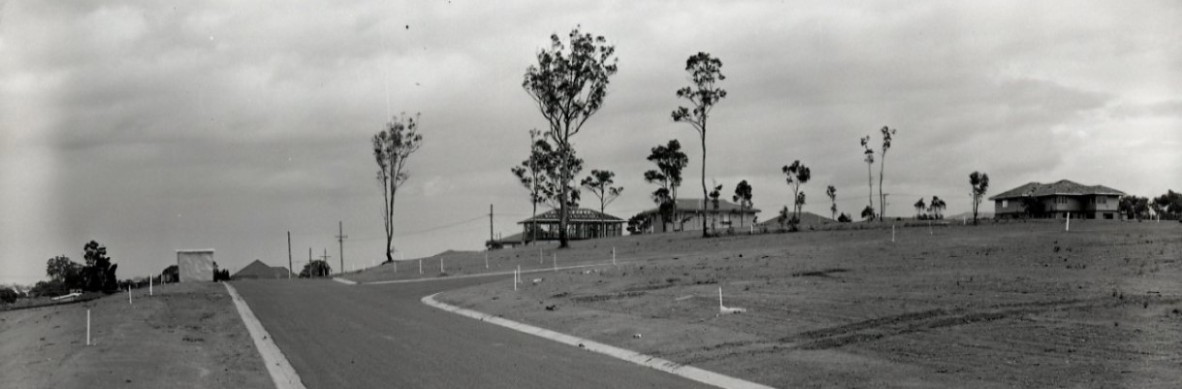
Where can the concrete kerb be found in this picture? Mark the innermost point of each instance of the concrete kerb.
(344, 281)
(684, 371)
(282, 373)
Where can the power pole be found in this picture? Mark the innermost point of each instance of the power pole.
(324, 258)
(309, 262)
(289, 266)
(490, 223)
(341, 239)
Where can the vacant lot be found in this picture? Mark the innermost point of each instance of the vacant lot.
(999, 305)
(186, 336)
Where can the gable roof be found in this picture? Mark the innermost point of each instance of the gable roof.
(1061, 187)
(573, 215)
(695, 205)
(258, 269)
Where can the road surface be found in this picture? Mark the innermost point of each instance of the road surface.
(382, 336)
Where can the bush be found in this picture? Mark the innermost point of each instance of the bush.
(8, 295)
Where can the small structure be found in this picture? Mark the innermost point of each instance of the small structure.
(688, 214)
(259, 270)
(582, 223)
(1057, 200)
(806, 219)
(194, 265)
(510, 241)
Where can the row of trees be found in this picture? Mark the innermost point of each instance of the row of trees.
(96, 275)
(1167, 206)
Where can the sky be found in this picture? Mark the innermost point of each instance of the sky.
(156, 126)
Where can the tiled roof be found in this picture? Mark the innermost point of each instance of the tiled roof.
(684, 205)
(1062, 187)
(574, 215)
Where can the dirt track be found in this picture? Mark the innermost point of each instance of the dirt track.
(1022, 304)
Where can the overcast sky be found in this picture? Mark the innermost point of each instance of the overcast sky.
(156, 126)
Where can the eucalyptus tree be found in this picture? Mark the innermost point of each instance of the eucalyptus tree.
(980, 184)
(599, 183)
(392, 148)
(569, 83)
(832, 193)
(705, 71)
(797, 173)
(887, 136)
(869, 159)
(743, 198)
(670, 160)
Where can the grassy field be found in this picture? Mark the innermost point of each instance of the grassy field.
(998, 305)
(185, 336)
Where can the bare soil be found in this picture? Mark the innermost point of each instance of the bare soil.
(997, 305)
(187, 335)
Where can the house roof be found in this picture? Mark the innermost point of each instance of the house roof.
(574, 215)
(1061, 187)
(806, 218)
(258, 269)
(696, 205)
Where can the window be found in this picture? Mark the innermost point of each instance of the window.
(1005, 203)
(1102, 200)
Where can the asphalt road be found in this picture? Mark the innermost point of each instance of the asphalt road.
(382, 336)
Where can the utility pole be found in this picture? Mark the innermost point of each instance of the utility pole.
(309, 262)
(490, 223)
(341, 239)
(289, 265)
(324, 258)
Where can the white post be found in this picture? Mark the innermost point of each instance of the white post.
(515, 280)
(420, 266)
(88, 326)
(613, 255)
(129, 293)
(441, 264)
(751, 230)
(555, 262)
(486, 259)
(964, 220)
(930, 228)
(720, 306)
(1068, 227)
(149, 284)
(892, 233)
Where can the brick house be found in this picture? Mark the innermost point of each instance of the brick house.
(689, 213)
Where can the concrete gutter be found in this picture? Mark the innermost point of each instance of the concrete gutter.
(685, 371)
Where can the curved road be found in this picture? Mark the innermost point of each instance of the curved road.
(382, 336)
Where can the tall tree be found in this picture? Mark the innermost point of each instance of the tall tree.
(569, 85)
(531, 172)
(832, 193)
(600, 184)
(936, 207)
(980, 184)
(99, 273)
(743, 198)
(887, 135)
(392, 147)
(919, 207)
(869, 159)
(62, 270)
(670, 161)
(704, 71)
(797, 173)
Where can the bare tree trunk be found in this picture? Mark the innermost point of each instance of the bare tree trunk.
(881, 197)
(388, 202)
(563, 239)
(705, 232)
(870, 183)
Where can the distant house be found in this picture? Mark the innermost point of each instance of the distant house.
(806, 219)
(689, 213)
(582, 223)
(260, 270)
(510, 241)
(1057, 200)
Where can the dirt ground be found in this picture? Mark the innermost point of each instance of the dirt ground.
(185, 336)
(998, 305)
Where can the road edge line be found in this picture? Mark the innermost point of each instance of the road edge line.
(344, 281)
(278, 367)
(684, 371)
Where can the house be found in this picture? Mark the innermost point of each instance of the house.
(806, 219)
(582, 223)
(510, 241)
(1057, 200)
(688, 215)
(260, 270)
